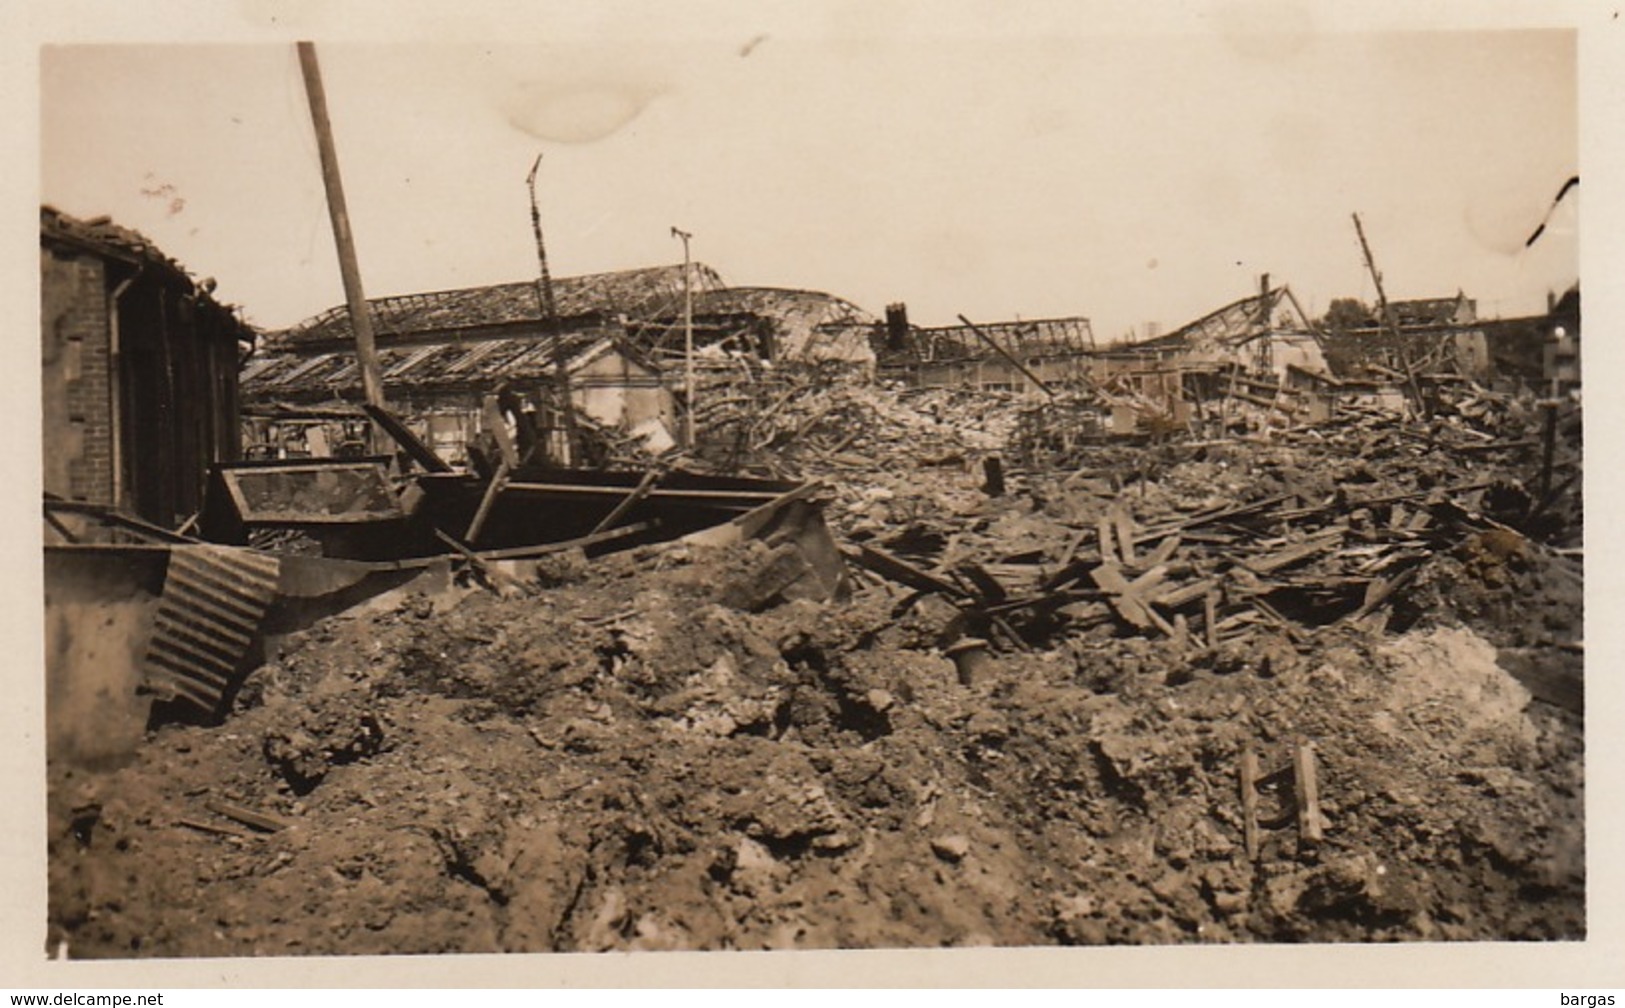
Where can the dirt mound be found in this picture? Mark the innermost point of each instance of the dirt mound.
(627, 762)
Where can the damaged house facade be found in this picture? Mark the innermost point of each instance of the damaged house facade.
(139, 379)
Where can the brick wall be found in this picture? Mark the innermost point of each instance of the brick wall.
(76, 383)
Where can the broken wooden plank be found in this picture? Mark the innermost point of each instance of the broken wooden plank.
(1298, 553)
(1164, 552)
(1293, 632)
(1380, 591)
(487, 567)
(263, 821)
(1184, 595)
(895, 568)
(211, 828)
(580, 542)
(1124, 523)
(1126, 598)
(493, 489)
(497, 426)
(1108, 554)
(631, 500)
(985, 583)
(1111, 580)
(415, 449)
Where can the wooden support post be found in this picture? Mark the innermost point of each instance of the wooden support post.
(1307, 789)
(630, 501)
(1386, 317)
(493, 489)
(1249, 802)
(993, 472)
(489, 568)
(1210, 618)
(1548, 448)
(550, 315)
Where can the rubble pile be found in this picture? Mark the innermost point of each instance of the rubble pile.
(1319, 686)
(805, 428)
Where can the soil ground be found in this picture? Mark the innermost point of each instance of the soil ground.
(626, 761)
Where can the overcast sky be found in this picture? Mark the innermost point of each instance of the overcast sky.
(1127, 178)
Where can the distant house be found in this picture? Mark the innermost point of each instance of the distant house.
(1458, 342)
(1436, 335)
(139, 389)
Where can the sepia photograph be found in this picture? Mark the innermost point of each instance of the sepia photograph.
(838, 480)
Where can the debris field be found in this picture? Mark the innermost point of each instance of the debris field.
(1265, 683)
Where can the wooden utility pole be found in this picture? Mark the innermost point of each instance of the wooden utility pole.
(688, 339)
(550, 318)
(1386, 317)
(366, 348)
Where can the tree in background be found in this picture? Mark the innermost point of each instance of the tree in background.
(1344, 314)
(1344, 351)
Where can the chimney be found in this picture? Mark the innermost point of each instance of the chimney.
(896, 326)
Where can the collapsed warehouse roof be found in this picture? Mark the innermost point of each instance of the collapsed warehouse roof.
(636, 294)
(810, 325)
(461, 366)
(1025, 337)
(1236, 323)
(645, 307)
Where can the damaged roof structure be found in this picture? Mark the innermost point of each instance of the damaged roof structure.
(621, 335)
(1254, 332)
(983, 355)
(802, 326)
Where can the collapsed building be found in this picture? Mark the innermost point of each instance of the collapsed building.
(1189, 640)
(619, 337)
(442, 353)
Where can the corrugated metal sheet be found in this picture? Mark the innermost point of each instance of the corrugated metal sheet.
(213, 600)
